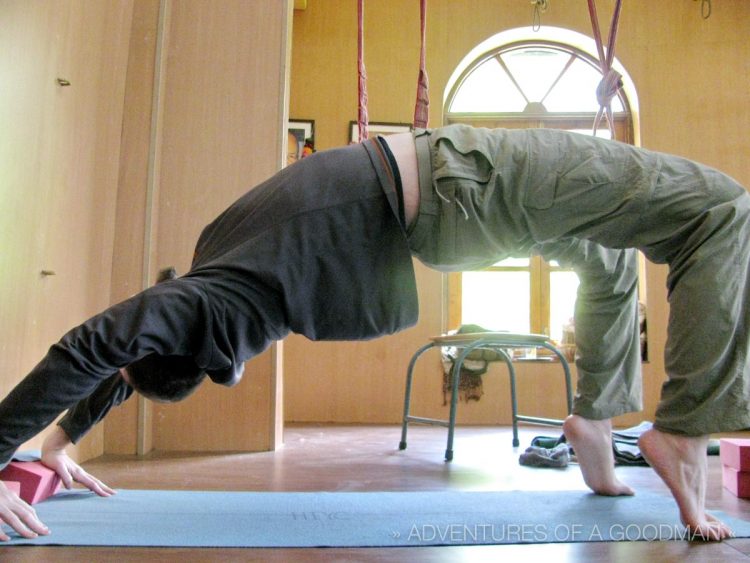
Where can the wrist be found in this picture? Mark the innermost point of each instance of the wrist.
(56, 440)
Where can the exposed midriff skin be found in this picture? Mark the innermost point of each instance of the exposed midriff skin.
(404, 151)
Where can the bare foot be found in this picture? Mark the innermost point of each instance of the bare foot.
(681, 463)
(592, 443)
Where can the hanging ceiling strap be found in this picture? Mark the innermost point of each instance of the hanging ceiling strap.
(422, 106)
(611, 79)
(362, 119)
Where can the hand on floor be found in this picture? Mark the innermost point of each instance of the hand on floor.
(54, 457)
(19, 516)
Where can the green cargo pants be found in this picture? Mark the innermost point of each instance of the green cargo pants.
(590, 204)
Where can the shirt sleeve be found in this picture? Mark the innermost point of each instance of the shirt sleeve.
(92, 410)
(78, 372)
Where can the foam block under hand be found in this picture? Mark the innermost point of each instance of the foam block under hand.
(37, 481)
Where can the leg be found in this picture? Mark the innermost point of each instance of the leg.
(677, 212)
(592, 443)
(681, 463)
(705, 359)
(608, 355)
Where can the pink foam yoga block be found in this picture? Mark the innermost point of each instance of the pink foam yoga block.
(37, 481)
(735, 452)
(736, 481)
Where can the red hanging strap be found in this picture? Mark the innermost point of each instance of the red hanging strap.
(362, 119)
(611, 79)
(422, 107)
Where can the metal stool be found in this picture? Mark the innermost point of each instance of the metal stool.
(466, 343)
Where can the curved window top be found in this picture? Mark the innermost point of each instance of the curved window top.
(522, 73)
(530, 78)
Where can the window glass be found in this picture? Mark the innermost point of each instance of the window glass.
(535, 69)
(496, 300)
(576, 90)
(513, 263)
(488, 89)
(563, 286)
(508, 82)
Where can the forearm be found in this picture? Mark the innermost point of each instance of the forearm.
(91, 410)
(57, 440)
(54, 385)
(88, 358)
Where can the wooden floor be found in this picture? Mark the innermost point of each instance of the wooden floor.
(356, 458)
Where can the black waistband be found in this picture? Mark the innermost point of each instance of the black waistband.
(396, 179)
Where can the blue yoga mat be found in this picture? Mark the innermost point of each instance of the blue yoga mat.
(352, 519)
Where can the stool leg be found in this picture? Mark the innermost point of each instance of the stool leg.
(454, 400)
(407, 393)
(513, 396)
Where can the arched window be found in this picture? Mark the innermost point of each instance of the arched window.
(527, 83)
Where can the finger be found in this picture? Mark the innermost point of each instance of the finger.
(65, 477)
(23, 519)
(100, 488)
(92, 483)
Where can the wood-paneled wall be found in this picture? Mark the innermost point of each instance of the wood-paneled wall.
(692, 78)
(101, 185)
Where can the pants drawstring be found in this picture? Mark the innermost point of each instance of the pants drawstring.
(455, 200)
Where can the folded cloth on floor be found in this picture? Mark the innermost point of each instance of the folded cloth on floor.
(548, 441)
(627, 454)
(624, 444)
(631, 435)
(534, 456)
(625, 451)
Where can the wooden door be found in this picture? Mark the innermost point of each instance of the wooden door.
(220, 133)
(61, 109)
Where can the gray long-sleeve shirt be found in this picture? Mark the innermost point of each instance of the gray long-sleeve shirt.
(317, 250)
